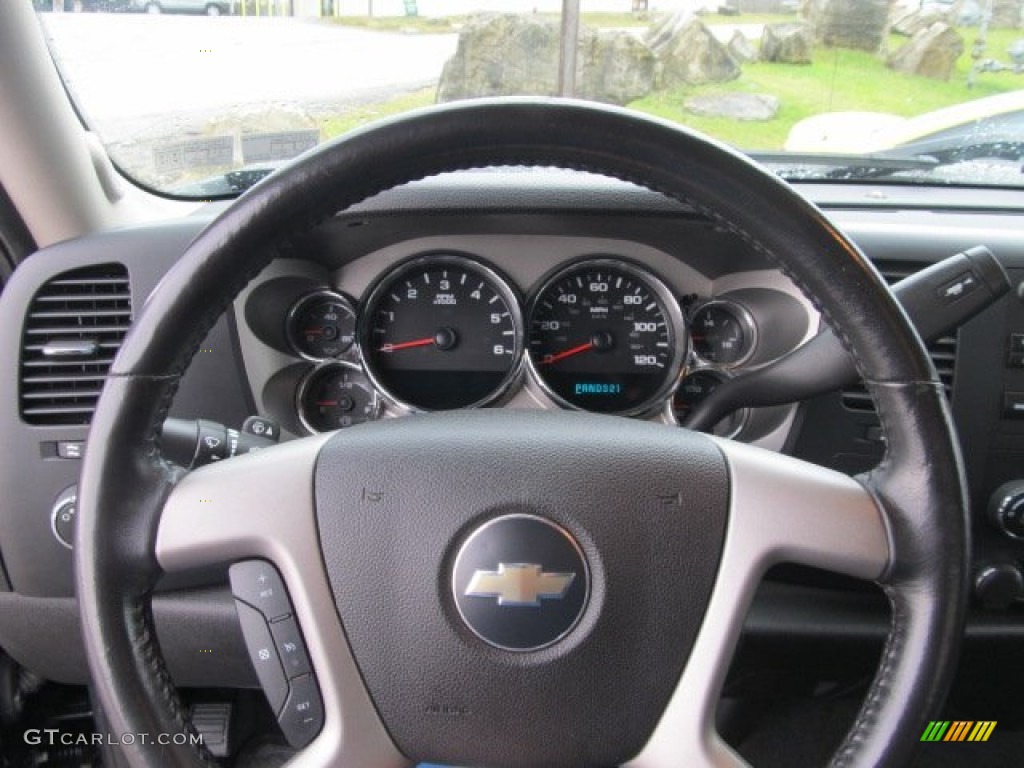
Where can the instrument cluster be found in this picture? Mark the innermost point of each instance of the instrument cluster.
(447, 330)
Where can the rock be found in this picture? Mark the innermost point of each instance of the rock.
(736, 106)
(688, 54)
(499, 55)
(740, 48)
(1016, 53)
(909, 24)
(1006, 14)
(616, 67)
(788, 43)
(956, 13)
(930, 53)
(659, 34)
(859, 24)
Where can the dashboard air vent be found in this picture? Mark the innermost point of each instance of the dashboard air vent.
(942, 351)
(74, 327)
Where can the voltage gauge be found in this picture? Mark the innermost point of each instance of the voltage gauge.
(723, 333)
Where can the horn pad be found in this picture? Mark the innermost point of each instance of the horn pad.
(514, 577)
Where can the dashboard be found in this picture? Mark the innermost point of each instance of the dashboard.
(581, 323)
(489, 289)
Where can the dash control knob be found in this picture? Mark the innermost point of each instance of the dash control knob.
(1006, 509)
(64, 515)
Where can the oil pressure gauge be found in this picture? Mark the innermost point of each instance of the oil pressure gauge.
(321, 325)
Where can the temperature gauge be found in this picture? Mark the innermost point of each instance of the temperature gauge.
(723, 333)
(321, 325)
(695, 387)
(336, 395)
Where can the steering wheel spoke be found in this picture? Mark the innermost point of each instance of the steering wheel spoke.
(261, 505)
(781, 510)
(256, 505)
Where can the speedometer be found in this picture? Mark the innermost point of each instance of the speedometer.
(606, 336)
(440, 332)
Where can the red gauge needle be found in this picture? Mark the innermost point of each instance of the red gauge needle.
(549, 359)
(326, 402)
(313, 331)
(407, 345)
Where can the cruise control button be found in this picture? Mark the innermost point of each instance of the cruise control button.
(257, 583)
(290, 647)
(303, 713)
(264, 657)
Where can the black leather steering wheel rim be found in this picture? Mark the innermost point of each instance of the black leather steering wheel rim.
(920, 482)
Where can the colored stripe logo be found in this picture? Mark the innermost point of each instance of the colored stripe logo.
(958, 730)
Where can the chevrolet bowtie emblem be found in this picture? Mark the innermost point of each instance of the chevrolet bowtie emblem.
(519, 584)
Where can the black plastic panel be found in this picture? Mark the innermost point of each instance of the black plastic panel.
(198, 632)
(36, 563)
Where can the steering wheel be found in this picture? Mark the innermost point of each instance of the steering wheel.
(517, 588)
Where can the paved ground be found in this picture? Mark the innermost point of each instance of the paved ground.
(145, 82)
(126, 65)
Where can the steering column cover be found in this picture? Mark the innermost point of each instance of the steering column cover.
(926, 505)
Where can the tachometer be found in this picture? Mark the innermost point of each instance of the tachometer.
(606, 336)
(442, 332)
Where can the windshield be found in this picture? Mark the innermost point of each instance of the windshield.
(202, 98)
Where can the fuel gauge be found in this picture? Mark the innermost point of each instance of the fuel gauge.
(336, 395)
(321, 325)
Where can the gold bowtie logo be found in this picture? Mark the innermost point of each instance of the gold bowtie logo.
(519, 584)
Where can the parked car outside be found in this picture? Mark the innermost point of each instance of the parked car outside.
(208, 7)
(985, 128)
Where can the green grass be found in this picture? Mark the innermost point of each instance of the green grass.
(839, 80)
(366, 113)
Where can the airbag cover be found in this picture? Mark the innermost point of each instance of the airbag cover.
(646, 505)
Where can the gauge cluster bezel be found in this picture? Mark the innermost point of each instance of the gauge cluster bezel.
(526, 264)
